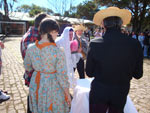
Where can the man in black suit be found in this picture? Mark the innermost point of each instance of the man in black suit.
(112, 60)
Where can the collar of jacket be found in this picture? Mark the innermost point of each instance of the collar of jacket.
(112, 33)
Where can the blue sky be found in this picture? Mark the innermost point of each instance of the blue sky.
(42, 3)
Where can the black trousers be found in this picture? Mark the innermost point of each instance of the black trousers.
(103, 97)
(102, 108)
(80, 68)
(28, 107)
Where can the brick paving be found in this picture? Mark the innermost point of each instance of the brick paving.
(12, 81)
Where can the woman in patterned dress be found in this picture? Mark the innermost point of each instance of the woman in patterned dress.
(49, 86)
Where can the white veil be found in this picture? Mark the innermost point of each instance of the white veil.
(64, 41)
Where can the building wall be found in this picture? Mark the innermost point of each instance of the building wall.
(13, 28)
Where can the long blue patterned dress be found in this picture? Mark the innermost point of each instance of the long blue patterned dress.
(46, 90)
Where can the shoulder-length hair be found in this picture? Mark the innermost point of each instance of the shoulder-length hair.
(46, 26)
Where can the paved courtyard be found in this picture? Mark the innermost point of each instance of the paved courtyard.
(12, 81)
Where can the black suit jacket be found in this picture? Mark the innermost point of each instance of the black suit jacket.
(114, 60)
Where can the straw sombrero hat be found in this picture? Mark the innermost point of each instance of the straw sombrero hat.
(124, 14)
(79, 27)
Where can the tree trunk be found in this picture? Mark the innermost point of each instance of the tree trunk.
(136, 18)
(142, 15)
(6, 10)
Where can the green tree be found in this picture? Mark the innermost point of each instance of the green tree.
(48, 11)
(66, 14)
(33, 9)
(139, 9)
(72, 12)
(23, 8)
(87, 10)
(6, 6)
(146, 23)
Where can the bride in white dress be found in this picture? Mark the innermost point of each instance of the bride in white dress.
(64, 42)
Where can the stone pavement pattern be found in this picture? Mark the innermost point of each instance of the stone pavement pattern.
(12, 81)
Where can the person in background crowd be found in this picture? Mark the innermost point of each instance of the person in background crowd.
(49, 86)
(127, 33)
(30, 37)
(87, 35)
(97, 33)
(113, 61)
(141, 39)
(102, 31)
(123, 30)
(3, 94)
(146, 44)
(74, 53)
(134, 35)
(82, 49)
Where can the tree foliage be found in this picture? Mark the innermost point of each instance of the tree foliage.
(139, 9)
(33, 9)
(72, 12)
(23, 8)
(87, 10)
